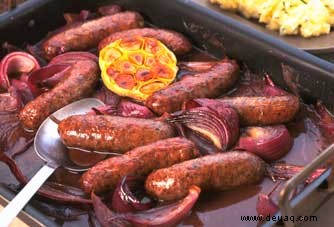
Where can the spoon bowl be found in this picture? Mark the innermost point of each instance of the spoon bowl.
(48, 145)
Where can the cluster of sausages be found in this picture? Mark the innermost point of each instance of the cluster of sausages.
(149, 146)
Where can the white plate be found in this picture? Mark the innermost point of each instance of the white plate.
(321, 44)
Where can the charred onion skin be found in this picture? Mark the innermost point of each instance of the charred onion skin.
(88, 34)
(79, 83)
(111, 133)
(175, 41)
(220, 171)
(210, 84)
(272, 110)
(139, 161)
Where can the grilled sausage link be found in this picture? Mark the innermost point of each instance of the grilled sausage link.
(210, 84)
(175, 41)
(86, 35)
(79, 82)
(139, 161)
(264, 110)
(221, 171)
(111, 133)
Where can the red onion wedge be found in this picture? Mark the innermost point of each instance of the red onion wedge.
(167, 215)
(270, 89)
(127, 108)
(124, 108)
(10, 101)
(270, 143)
(16, 63)
(126, 196)
(49, 75)
(203, 145)
(108, 97)
(326, 121)
(72, 18)
(25, 90)
(215, 122)
(284, 171)
(109, 9)
(265, 205)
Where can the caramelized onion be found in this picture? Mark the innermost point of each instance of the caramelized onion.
(217, 123)
(108, 97)
(16, 63)
(270, 89)
(124, 108)
(109, 9)
(71, 18)
(265, 205)
(24, 89)
(126, 195)
(284, 171)
(10, 101)
(203, 145)
(270, 143)
(49, 75)
(167, 215)
(130, 109)
(326, 121)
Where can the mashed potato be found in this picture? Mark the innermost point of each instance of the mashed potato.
(290, 17)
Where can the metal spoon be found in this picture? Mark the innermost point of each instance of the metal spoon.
(48, 147)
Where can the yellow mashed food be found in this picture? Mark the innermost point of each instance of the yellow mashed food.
(290, 17)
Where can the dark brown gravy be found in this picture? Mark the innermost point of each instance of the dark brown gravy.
(213, 208)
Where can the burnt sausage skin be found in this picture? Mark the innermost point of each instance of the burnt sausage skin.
(111, 133)
(221, 171)
(87, 35)
(264, 110)
(139, 161)
(210, 84)
(175, 41)
(79, 82)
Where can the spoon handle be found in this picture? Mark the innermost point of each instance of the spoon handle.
(23, 197)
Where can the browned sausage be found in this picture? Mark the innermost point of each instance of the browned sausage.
(221, 171)
(86, 35)
(210, 84)
(177, 42)
(80, 81)
(111, 133)
(264, 110)
(139, 161)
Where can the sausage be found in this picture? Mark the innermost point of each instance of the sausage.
(175, 41)
(264, 110)
(79, 82)
(219, 79)
(139, 161)
(87, 35)
(111, 133)
(221, 171)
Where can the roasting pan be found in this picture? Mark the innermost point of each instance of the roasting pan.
(218, 35)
